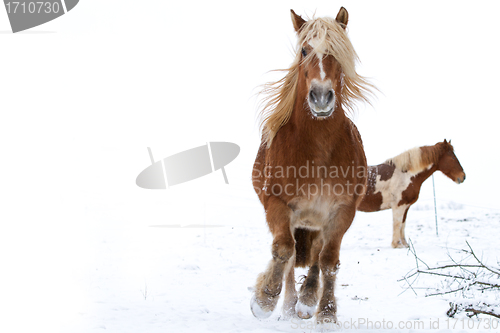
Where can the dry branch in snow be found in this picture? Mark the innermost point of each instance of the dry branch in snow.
(476, 284)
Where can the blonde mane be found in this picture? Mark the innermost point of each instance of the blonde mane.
(417, 159)
(328, 35)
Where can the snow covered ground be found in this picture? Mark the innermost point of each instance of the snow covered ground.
(163, 277)
(83, 249)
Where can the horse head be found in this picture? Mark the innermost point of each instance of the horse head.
(449, 164)
(320, 73)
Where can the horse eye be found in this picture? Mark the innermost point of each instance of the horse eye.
(304, 52)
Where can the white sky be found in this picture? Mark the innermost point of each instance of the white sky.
(81, 104)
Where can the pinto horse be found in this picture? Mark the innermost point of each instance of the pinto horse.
(305, 131)
(396, 183)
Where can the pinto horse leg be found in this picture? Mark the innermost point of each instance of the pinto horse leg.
(269, 283)
(308, 298)
(329, 261)
(398, 231)
(403, 225)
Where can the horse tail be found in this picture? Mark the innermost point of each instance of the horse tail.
(303, 242)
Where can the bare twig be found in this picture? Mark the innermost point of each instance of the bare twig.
(411, 287)
(145, 291)
(468, 279)
(480, 262)
(473, 308)
(476, 311)
(445, 292)
(411, 248)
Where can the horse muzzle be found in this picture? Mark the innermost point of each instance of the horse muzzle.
(460, 180)
(321, 98)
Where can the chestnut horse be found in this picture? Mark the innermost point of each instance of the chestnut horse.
(305, 132)
(396, 183)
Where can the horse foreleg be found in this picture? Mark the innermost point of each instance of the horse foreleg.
(308, 299)
(403, 226)
(329, 261)
(290, 291)
(269, 283)
(398, 227)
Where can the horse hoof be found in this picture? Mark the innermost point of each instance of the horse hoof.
(326, 321)
(257, 310)
(288, 313)
(304, 311)
(400, 245)
(327, 324)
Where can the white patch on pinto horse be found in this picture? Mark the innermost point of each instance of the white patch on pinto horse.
(410, 160)
(393, 188)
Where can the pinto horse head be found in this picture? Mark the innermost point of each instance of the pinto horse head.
(448, 163)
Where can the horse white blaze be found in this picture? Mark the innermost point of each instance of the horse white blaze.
(320, 56)
(322, 73)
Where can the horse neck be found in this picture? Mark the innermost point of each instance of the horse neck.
(313, 132)
(426, 173)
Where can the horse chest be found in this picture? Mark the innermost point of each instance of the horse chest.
(314, 213)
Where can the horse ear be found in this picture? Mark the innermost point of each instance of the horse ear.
(298, 21)
(342, 17)
(445, 141)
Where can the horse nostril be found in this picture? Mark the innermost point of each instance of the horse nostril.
(312, 97)
(329, 97)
